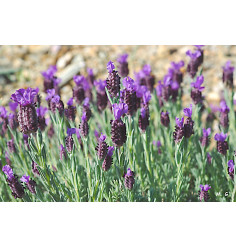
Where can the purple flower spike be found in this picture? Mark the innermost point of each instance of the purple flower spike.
(198, 83)
(188, 111)
(146, 97)
(231, 166)
(227, 67)
(50, 94)
(70, 102)
(143, 112)
(100, 85)
(78, 79)
(8, 171)
(71, 131)
(177, 66)
(3, 112)
(25, 178)
(122, 58)
(50, 72)
(119, 110)
(193, 55)
(220, 137)
(159, 89)
(90, 71)
(205, 187)
(110, 151)
(86, 102)
(206, 132)
(224, 107)
(147, 69)
(102, 137)
(179, 123)
(13, 106)
(41, 111)
(110, 66)
(84, 118)
(128, 82)
(25, 97)
(175, 86)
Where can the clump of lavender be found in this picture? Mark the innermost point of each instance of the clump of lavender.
(11, 146)
(4, 120)
(27, 116)
(193, 63)
(228, 74)
(113, 80)
(179, 130)
(35, 169)
(63, 154)
(222, 145)
(102, 147)
(196, 92)
(108, 159)
(78, 90)
(231, 169)
(224, 111)
(165, 120)
(158, 145)
(123, 68)
(41, 111)
(84, 128)
(71, 110)
(129, 96)
(200, 58)
(29, 183)
(101, 94)
(188, 126)
(203, 193)
(50, 80)
(129, 179)
(205, 138)
(69, 139)
(86, 109)
(118, 128)
(12, 180)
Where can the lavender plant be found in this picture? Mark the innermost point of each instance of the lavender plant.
(132, 143)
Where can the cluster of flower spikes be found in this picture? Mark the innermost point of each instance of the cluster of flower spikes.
(224, 112)
(70, 111)
(18, 190)
(228, 74)
(196, 59)
(27, 116)
(222, 144)
(205, 137)
(203, 193)
(196, 91)
(231, 169)
(123, 68)
(101, 94)
(145, 77)
(54, 102)
(50, 80)
(113, 80)
(129, 179)
(184, 129)
(118, 128)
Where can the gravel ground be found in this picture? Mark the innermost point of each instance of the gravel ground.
(20, 66)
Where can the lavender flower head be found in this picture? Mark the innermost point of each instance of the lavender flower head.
(123, 65)
(29, 182)
(8, 171)
(222, 145)
(50, 94)
(228, 68)
(79, 79)
(206, 132)
(100, 85)
(165, 120)
(197, 84)
(199, 47)
(108, 159)
(159, 89)
(146, 97)
(70, 102)
(50, 72)
(203, 193)
(179, 122)
(177, 66)
(188, 111)
(231, 166)
(147, 69)
(122, 58)
(25, 97)
(3, 112)
(205, 187)
(101, 147)
(102, 137)
(228, 74)
(25, 178)
(223, 107)
(110, 151)
(220, 137)
(129, 179)
(195, 61)
(41, 111)
(205, 138)
(110, 66)
(119, 110)
(128, 82)
(71, 131)
(193, 55)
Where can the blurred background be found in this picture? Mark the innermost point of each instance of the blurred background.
(21, 66)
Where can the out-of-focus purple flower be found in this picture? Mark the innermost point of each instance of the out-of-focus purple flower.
(205, 187)
(228, 74)
(25, 97)
(84, 128)
(96, 133)
(25, 178)
(223, 106)
(41, 111)
(100, 85)
(147, 69)
(206, 132)
(128, 82)
(197, 84)
(63, 154)
(208, 158)
(129, 179)
(188, 111)
(123, 68)
(199, 47)
(175, 86)
(78, 79)
(122, 58)
(179, 122)
(165, 120)
(86, 102)
(50, 94)
(193, 55)
(146, 97)
(71, 131)
(228, 67)
(13, 106)
(70, 102)
(50, 72)
(195, 61)
(159, 89)
(8, 171)
(110, 151)
(110, 66)
(203, 193)
(205, 138)
(3, 112)
(119, 110)
(157, 143)
(220, 137)
(140, 90)
(90, 71)
(177, 66)
(231, 165)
